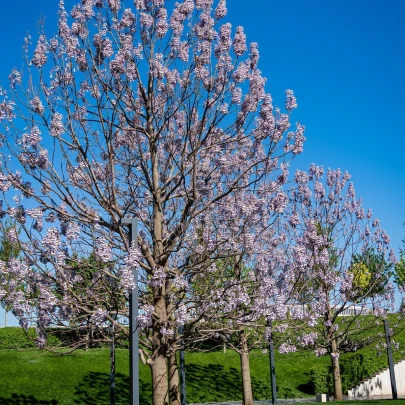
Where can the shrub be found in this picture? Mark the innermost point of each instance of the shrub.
(321, 379)
(18, 338)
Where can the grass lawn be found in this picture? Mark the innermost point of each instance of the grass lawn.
(34, 377)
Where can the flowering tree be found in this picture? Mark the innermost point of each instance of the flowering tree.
(246, 292)
(8, 250)
(337, 263)
(157, 112)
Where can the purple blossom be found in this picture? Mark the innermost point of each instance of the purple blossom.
(236, 95)
(37, 106)
(294, 219)
(114, 5)
(287, 348)
(221, 10)
(57, 125)
(103, 250)
(241, 73)
(73, 231)
(51, 240)
(239, 42)
(14, 78)
(140, 4)
(40, 52)
(182, 316)
(254, 55)
(301, 177)
(132, 261)
(128, 18)
(224, 40)
(99, 316)
(291, 102)
(320, 351)
(392, 257)
(158, 278)
(162, 25)
(203, 4)
(31, 139)
(146, 20)
(7, 111)
(144, 318)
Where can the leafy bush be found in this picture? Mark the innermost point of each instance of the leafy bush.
(321, 379)
(18, 338)
(354, 368)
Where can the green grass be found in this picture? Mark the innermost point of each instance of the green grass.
(80, 378)
(30, 376)
(83, 377)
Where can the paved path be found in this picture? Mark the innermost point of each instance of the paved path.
(297, 400)
(266, 402)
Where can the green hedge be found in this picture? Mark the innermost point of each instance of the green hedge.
(321, 379)
(354, 368)
(18, 338)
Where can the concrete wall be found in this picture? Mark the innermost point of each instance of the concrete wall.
(381, 383)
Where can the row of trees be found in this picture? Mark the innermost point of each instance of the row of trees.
(160, 112)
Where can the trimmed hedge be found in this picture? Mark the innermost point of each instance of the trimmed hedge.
(354, 368)
(16, 338)
(321, 379)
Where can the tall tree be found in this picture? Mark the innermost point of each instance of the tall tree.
(158, 112)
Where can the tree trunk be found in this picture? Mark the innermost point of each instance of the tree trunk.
(337, 383)
(159, 381)
(245, 368)
(159, 358)
(174, 386)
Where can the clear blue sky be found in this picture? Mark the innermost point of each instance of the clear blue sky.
(344, 59)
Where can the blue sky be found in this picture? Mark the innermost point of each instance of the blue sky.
(345, 61)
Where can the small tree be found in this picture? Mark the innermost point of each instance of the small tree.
(9, 249)
(337, 262)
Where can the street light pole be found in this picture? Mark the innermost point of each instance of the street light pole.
(390, 361)
(112, 365)
(182, 370)
(272, 365)
(133, 315)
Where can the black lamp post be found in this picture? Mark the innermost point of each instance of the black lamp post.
(182, 370)
(272, 365)
(133, 315)
(390, 360)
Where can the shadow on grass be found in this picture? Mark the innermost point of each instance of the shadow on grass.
(212, 382)
(307, 388)
(18, 399)
(95, 390)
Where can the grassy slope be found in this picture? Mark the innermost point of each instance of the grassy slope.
(83, 377)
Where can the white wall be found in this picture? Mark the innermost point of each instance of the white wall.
(381, 383)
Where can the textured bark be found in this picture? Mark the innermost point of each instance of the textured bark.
(158, 361)
(174, 381)
(245, 369)
(337, 383)
(159, 381)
